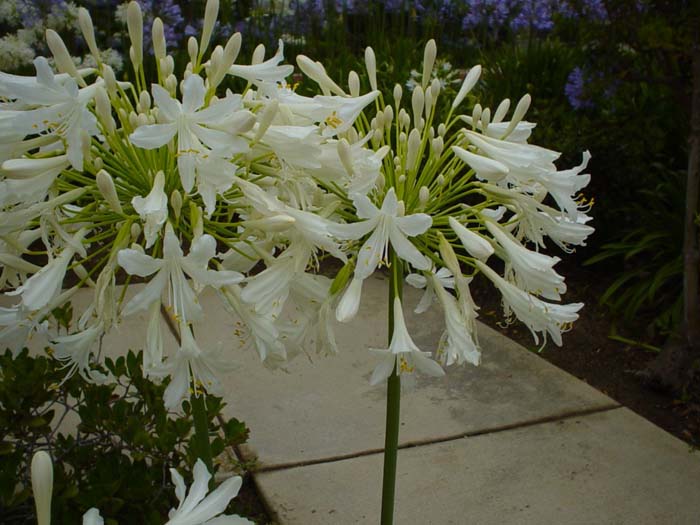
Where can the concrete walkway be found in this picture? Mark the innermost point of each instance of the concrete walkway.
(514, 441)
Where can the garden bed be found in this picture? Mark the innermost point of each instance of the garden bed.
(588, 353)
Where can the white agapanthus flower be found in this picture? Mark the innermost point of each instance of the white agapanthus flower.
(199, 508)
(403, 354)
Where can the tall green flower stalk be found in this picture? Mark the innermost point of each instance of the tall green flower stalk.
(393, 401)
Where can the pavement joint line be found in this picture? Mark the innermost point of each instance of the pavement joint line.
(431, 441)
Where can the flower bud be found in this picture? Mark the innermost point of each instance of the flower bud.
(176, 203)
(106, 186)
(401, 207)
(448, 255)
(414, 140)
(88, 31)
(133, 120)
(398, 92)
(440, 180)
(109, 78)
(169, 67)
(442, 129)
(258, 54)
(64, 62)
(380, 182)
(192, 49)
(233, 47)
(171, 84)
(142, 120)
(196, 220)
(345, 157)
(352, 136)
(377, 136)
(216, 70)
(144, 101)
(435, 88)
(423, 195)
(438, 146)
(469, 82)
(103, 108)
(371, 65)
(98, 163)
(379, 120)
(134, 24)
(518, 113)
(135, 231)
(354, 84)
(388, 116)
(211, 12)
(42, 486)
(417, 103)
(266, 118)
(429, 55)
(316, 72)
(476, 114)
(485, 119)
(428, 103)
(474, 243)
(501, 110)
(159, 44)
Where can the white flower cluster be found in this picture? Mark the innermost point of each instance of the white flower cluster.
(187, 185)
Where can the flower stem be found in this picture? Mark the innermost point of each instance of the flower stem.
(393, 404)
(200, 439)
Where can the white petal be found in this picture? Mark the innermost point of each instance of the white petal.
(350, 302)
(406, 250)
(415, 224)
(138, 263)
(192, 93)
(474, 243)
(169, 107)
(384, 369)
(153, 136)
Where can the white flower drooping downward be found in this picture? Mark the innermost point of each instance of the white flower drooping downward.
(403, 353)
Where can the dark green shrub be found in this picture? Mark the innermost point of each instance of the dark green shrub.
(119, 458)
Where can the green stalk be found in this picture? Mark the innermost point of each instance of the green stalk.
(201, 430)
(393, 404)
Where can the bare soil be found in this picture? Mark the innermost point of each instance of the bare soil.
(609, 366)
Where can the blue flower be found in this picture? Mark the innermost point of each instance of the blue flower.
(574, 90)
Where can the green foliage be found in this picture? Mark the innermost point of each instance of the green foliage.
(648, 255)
(118, 460)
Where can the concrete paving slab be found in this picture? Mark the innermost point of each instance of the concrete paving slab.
(317, 408)
(606, 468)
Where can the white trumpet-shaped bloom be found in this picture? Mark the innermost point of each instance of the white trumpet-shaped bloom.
(403, 353)
(537, 315)
(58, 108)
(170, 273)
(193, 125)
(153, 209)
(198, 508)
(386, 225)
(533, 271)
